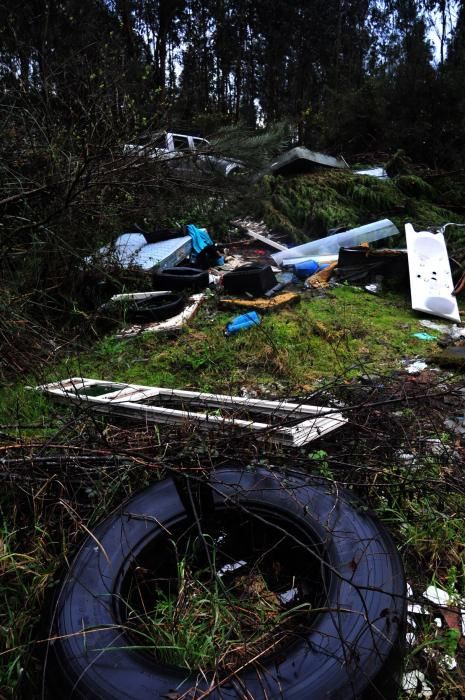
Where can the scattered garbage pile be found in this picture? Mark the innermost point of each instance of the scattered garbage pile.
(185, 266)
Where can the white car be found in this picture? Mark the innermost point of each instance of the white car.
(188, 152)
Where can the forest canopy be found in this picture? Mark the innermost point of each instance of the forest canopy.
(359, 77)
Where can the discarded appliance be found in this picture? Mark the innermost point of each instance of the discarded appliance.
(175, 323)
(180, 278)
(132, 249)
(302, 160)
(242, 323)
(431, 284)
(252, 278)
(376, 231)
(292, 424)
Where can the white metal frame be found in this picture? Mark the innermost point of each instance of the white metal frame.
(126, 400)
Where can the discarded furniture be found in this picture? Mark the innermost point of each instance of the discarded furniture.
(431, 284)
(251, 278)
(292, 424)
(133, 249)
(362, 265)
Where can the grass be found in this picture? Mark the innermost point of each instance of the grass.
(203, 624)
(320, 337)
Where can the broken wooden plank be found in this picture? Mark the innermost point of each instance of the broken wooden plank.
(256, 230)
(264, 239)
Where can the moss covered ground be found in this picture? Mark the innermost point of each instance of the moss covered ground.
(307, 206)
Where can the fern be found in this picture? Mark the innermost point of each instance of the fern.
(414, 186)
(254, 149)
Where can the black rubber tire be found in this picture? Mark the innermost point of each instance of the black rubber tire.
(154, 309)
(353, 650)
(180, 278)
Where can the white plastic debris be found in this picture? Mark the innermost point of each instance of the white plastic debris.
(410, 638)
(374, 288)
(438, 622)
(380, 173)
(416, 609)
(440, 327)
(416, 367)
(409, 591)
(137, 296)
(175, 323)
(406, 457)
(437, 595)
(331, 244)
(228, 568)
(455, 426)
(414, 684)
(431, 284)
(449, 662)
(288, 596)
(456, 332)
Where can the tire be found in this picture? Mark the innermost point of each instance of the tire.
(180, 278)
(154, 309)
(352, 650)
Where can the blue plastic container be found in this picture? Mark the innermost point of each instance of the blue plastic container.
(306, 269)
(241, 323)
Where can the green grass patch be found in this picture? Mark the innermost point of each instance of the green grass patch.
(343, 334)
